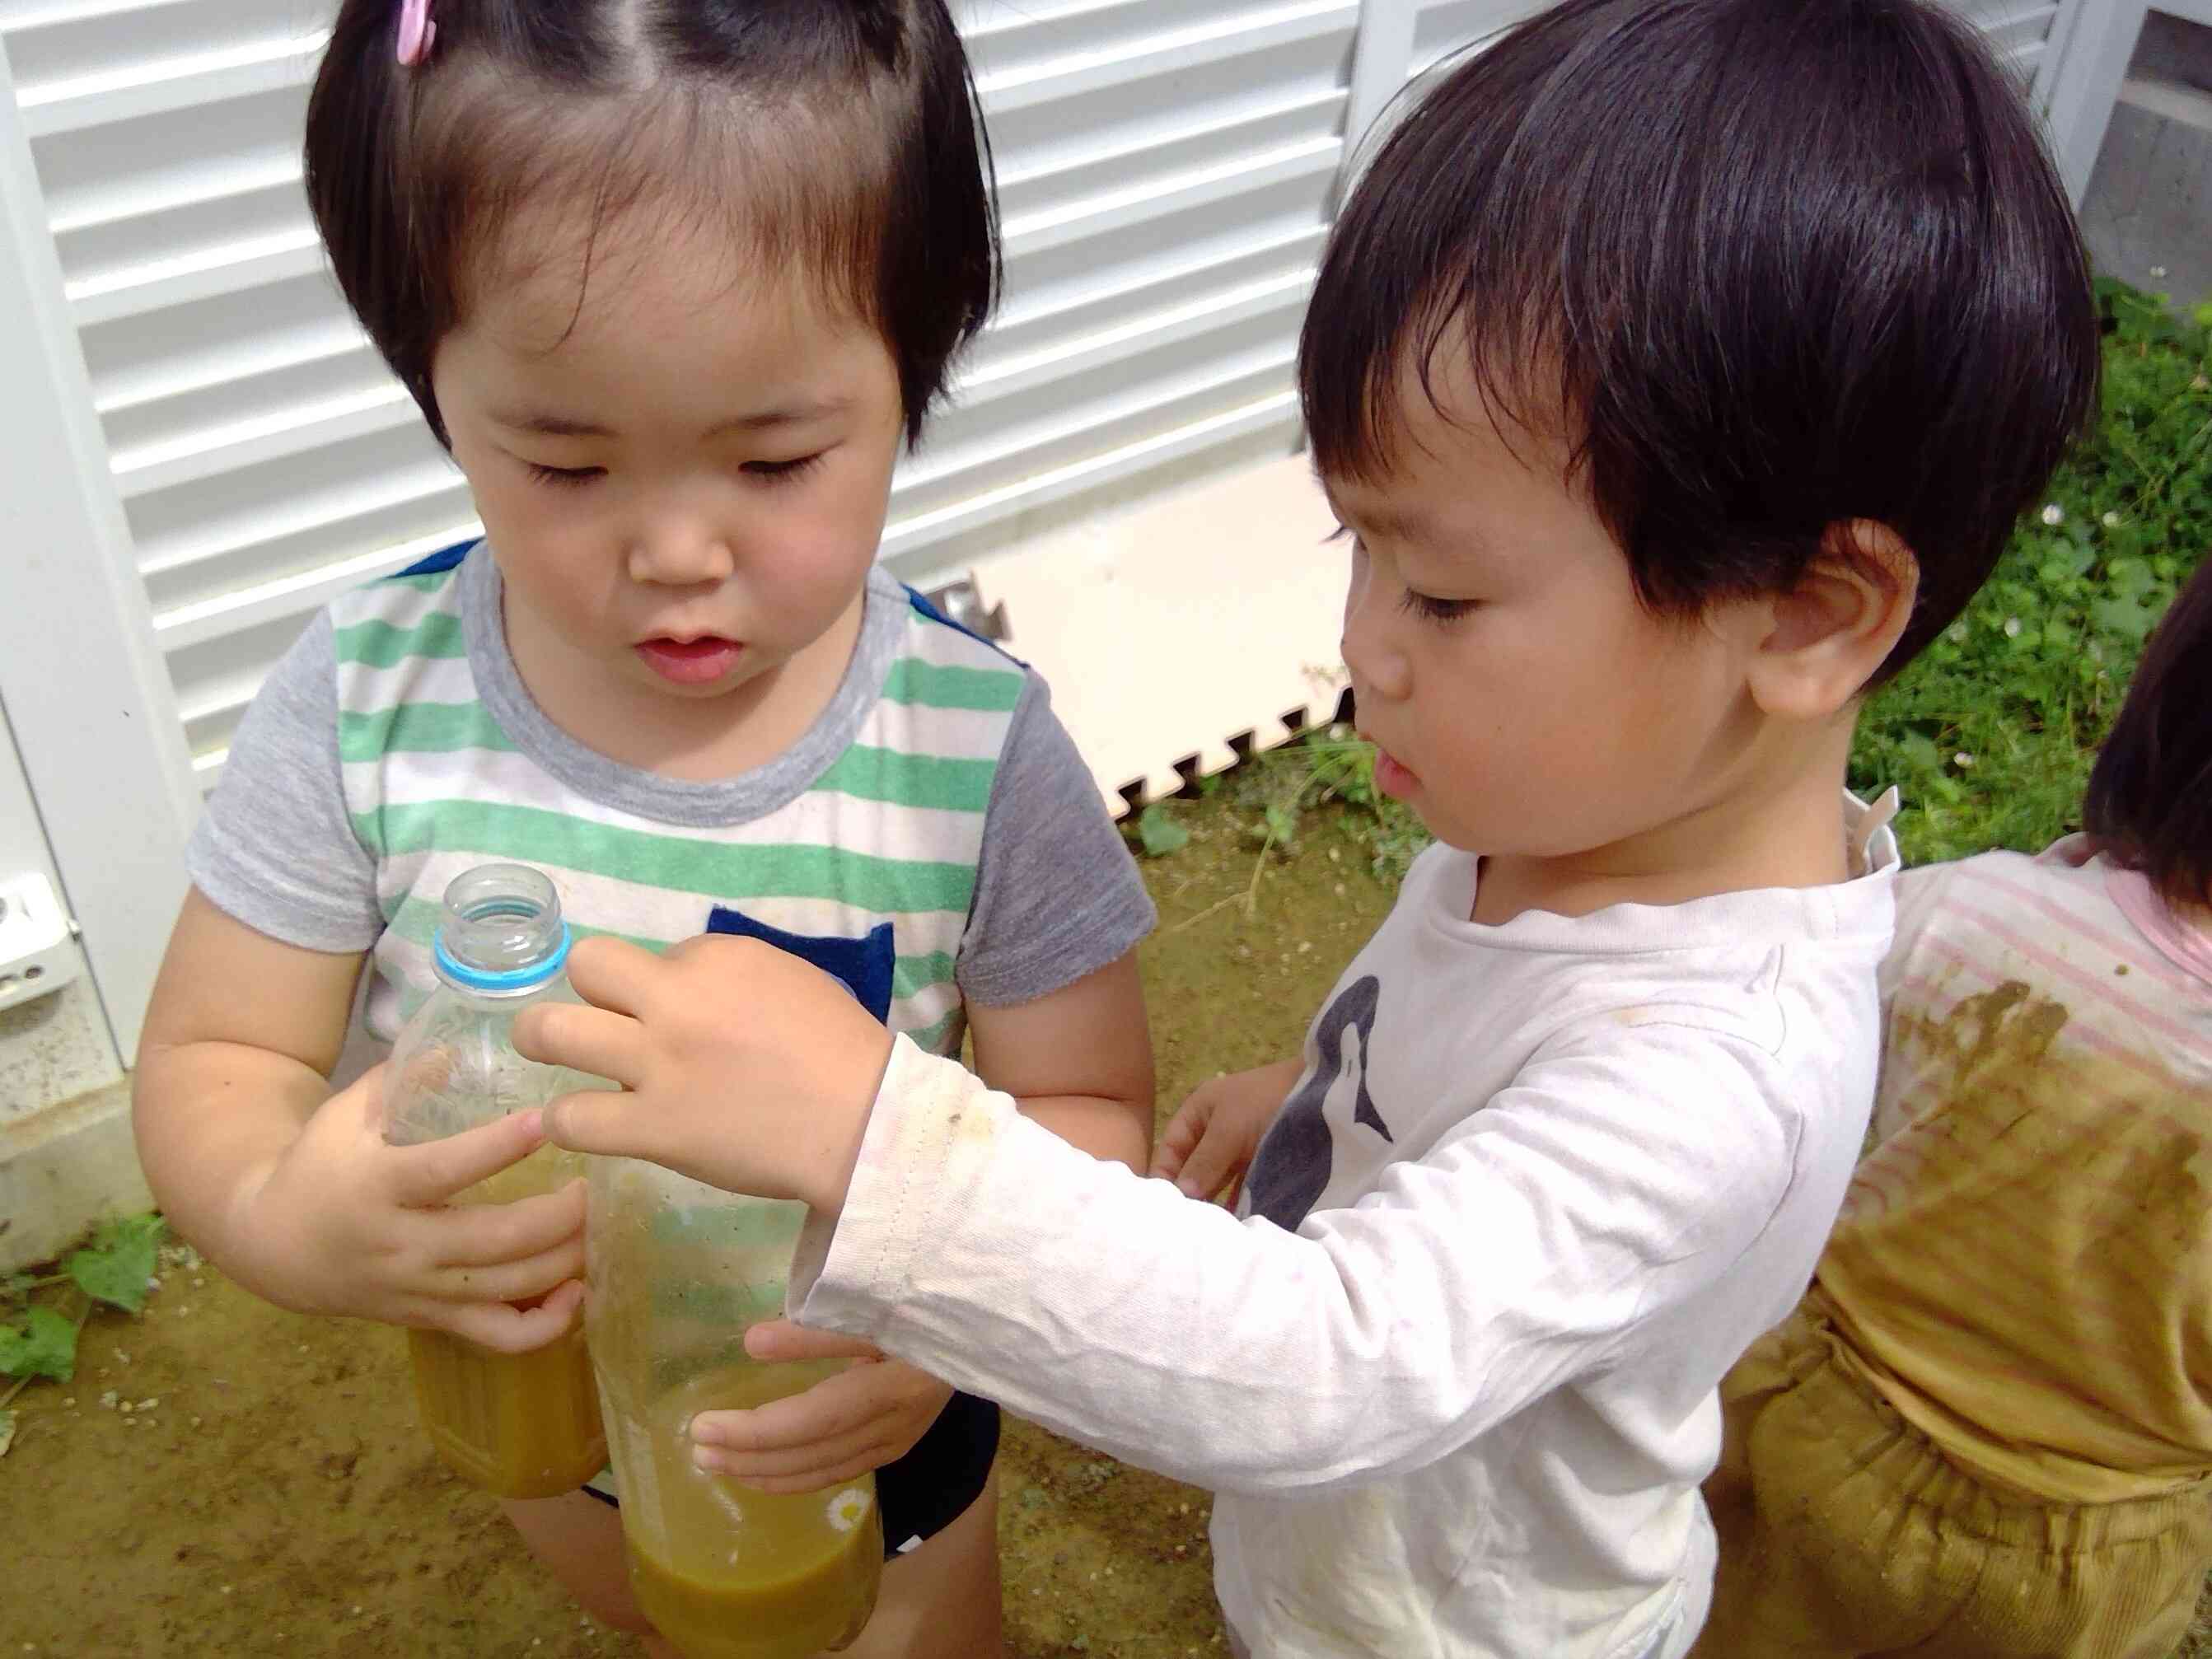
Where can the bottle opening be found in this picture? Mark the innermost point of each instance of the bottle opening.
(502, 929)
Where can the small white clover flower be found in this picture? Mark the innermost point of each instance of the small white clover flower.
(2012, 628)
(1957, 632)
(2054, 515)
(2111, 521)
(848, 1508)
(1963, 761)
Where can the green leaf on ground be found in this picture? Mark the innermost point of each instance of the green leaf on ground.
(43, 1345)
(116, 1266)
(1158, 831)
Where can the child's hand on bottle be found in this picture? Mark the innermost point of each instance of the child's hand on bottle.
(868, 1415)
(744, 1066)
(342, 1224)
(1209, 1143)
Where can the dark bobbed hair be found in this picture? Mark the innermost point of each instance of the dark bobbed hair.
(1765, 266)
(2150, 792)
(838, 138)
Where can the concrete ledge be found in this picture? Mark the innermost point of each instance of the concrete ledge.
(62, 1170)
(2147, 217)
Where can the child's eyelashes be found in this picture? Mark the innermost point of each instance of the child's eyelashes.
(785, 471)
(1430, 609)
(565, 477)
(573, 477)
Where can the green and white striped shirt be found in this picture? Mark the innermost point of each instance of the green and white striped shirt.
(935, 839)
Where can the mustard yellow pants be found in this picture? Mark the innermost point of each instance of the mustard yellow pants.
(1845, 1535)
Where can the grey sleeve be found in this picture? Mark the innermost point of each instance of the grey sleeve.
(276, 848)
(1057, 895)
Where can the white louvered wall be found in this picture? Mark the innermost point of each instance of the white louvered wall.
(206, 449)
(1165, 167)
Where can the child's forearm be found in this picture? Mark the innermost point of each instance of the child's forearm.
(1117, 1131)
(212, 1120)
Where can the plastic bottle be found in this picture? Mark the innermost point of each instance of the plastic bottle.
(679, 1270)
(520, 1426)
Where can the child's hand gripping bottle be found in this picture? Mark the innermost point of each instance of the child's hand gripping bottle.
(678, 1272)
(520, 1425)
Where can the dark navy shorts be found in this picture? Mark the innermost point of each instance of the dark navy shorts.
(932, 1485)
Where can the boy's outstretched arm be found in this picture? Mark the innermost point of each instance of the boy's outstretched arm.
(1076, 1061)
(1511, 1256)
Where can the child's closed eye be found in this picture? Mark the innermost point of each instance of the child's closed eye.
(1430, 609)
(565, 477)
(786, 471)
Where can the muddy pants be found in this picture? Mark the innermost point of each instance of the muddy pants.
(1845, 1535)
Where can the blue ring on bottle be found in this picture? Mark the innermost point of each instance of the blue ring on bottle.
(512, 979)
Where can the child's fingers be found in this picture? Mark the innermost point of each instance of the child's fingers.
(831, 1410)
(1212, 1163)
(801, 1468)
(778, 1339)
(1184, 1132)
(607, 1045)
(819, 1479)
(489, 1235)
(505, 1328)
(599, 1122)
(614, 974)
(437, 1170)
(516, 1281)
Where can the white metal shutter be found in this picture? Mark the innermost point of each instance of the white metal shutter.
(2021, 29)
(1166, 169)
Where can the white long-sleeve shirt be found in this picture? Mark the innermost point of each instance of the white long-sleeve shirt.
(1452, 1376)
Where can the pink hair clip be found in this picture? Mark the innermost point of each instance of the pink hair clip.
(418, 34)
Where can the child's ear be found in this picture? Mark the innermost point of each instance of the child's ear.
(1828, 636)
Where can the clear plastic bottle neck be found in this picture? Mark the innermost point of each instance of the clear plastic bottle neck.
(501, 933)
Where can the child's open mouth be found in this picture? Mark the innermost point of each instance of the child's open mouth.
(690, 662)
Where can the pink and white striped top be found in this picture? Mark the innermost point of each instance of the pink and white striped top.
(2024, 1264)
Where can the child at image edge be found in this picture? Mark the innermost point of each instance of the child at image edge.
(1679, 371)
(673, 282)
(1989, 1426)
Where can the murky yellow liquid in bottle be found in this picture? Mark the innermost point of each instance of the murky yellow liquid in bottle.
(732, 1573)
(515, 1425)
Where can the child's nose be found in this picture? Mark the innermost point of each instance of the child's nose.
(681, 552)
(1378, 667)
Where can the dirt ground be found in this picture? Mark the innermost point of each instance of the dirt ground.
(269, 1494)
(268, 1491)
